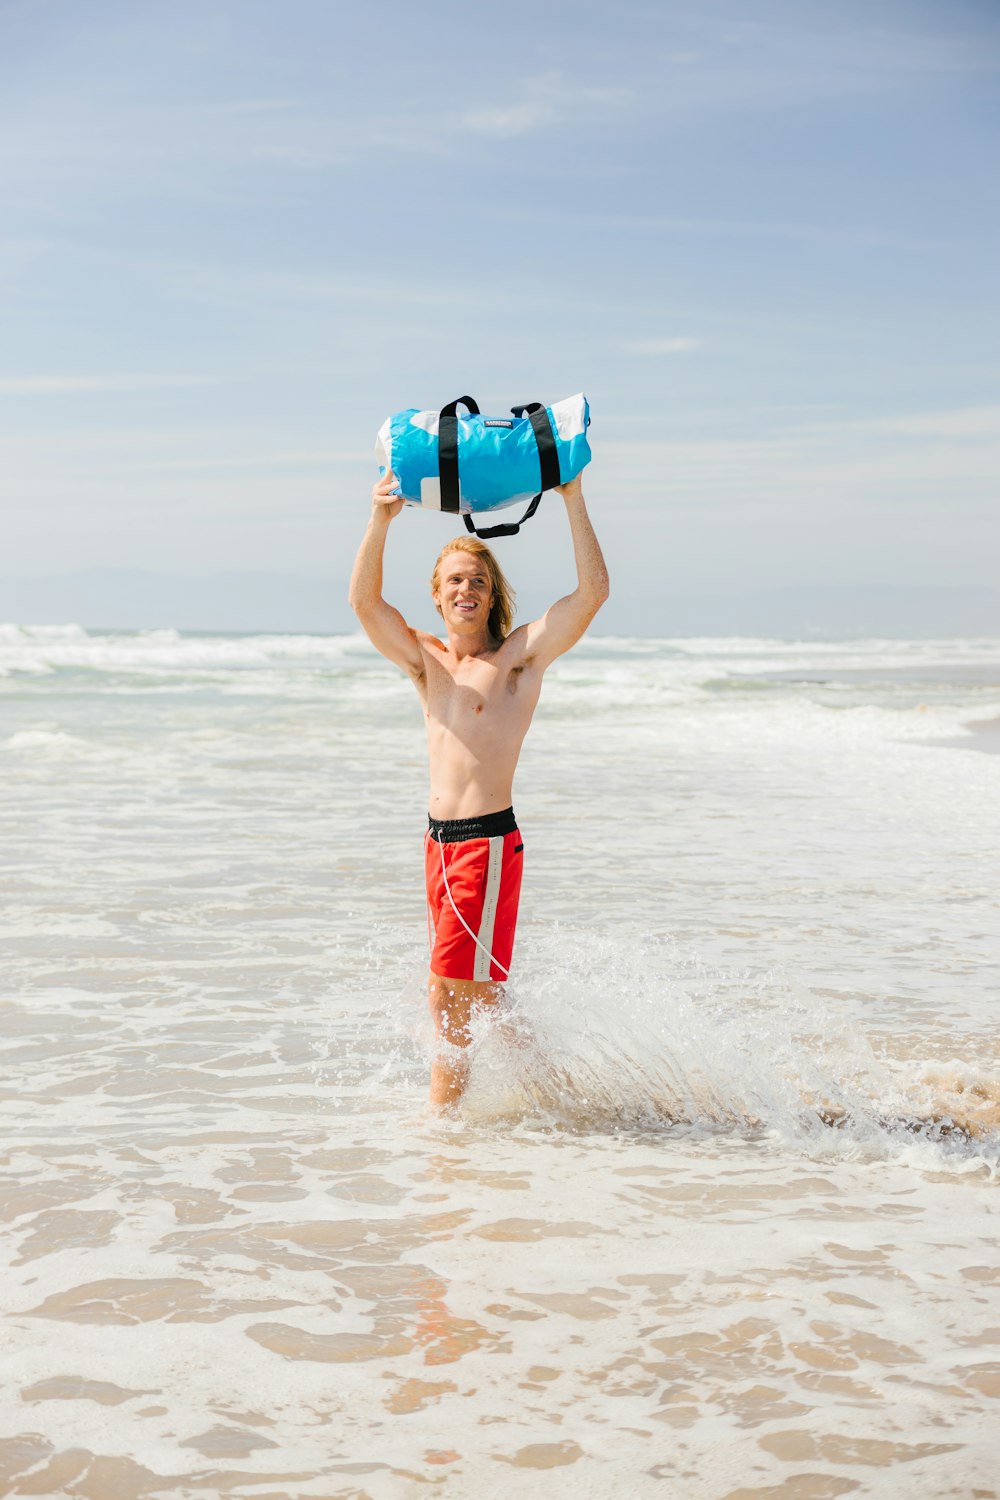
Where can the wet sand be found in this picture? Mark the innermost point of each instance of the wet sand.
(984, 735)
(239, 1257)
(309, 1310)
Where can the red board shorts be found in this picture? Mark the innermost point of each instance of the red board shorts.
(473, 871)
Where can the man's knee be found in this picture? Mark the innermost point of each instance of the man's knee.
(452, 1002)
(448, 1009)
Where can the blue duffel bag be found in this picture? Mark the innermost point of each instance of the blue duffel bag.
(467, 464)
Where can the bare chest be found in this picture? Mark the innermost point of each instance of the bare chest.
(480, 694)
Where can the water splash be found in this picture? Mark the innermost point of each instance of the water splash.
(603, 1033)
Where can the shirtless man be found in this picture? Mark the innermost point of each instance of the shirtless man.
(479, 687)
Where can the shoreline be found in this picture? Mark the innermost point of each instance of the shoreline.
(984, 736)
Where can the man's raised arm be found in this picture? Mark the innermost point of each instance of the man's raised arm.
(383, 625)
(562, 625)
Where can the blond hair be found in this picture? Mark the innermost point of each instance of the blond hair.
(502, 604)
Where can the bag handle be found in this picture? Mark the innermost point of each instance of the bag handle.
(448, 450)
(509, 528)
(548, 463)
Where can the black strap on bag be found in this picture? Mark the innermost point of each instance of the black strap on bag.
(448, 450)
(548, 462)
(508, 528)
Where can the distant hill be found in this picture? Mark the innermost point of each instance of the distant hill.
(126, 599)
(836, 611)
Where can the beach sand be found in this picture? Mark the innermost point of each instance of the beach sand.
(241, 1258)
(985, 736)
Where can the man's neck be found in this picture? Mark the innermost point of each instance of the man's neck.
(462, 646)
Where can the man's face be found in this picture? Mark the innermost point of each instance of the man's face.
(463, 595)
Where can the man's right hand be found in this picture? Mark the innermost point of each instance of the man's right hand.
(385, 505)
(381, 622)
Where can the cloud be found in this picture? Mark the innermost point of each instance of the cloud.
(963, 424)
(545, 98)
(858, 236)
(662, 346)
(234, 462)
(839, 465)
(231, 286)
(84, 385)
(970, 422)
(511, 119)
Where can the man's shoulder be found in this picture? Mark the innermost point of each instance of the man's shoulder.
(521, 646)
(428, 641)
(516, 643)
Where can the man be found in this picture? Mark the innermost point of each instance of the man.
(479, 687)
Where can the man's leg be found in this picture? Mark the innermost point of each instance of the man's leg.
(452, 1002)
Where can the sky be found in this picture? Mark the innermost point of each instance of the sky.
(762, 237)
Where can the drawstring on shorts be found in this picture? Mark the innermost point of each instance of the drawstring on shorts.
(481, 946)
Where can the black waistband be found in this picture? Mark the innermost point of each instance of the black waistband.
(457, 830)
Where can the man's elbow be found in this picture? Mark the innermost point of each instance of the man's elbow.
(592, 600)
(601, 591)
(358, 602)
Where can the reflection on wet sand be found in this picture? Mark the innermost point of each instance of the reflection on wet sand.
(549, 1367)
(717, 1219)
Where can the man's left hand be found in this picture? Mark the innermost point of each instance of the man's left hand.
(571, 490)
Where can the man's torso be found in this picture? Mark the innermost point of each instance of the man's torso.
(478, 711)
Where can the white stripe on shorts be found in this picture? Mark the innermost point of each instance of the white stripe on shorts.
(484, 947)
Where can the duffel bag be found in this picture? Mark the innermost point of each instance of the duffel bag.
(467, 464)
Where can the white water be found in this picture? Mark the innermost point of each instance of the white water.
(244, 1260)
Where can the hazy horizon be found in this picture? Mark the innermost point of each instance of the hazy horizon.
(269, 603)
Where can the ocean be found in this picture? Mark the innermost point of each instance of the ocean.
(718, 1218)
